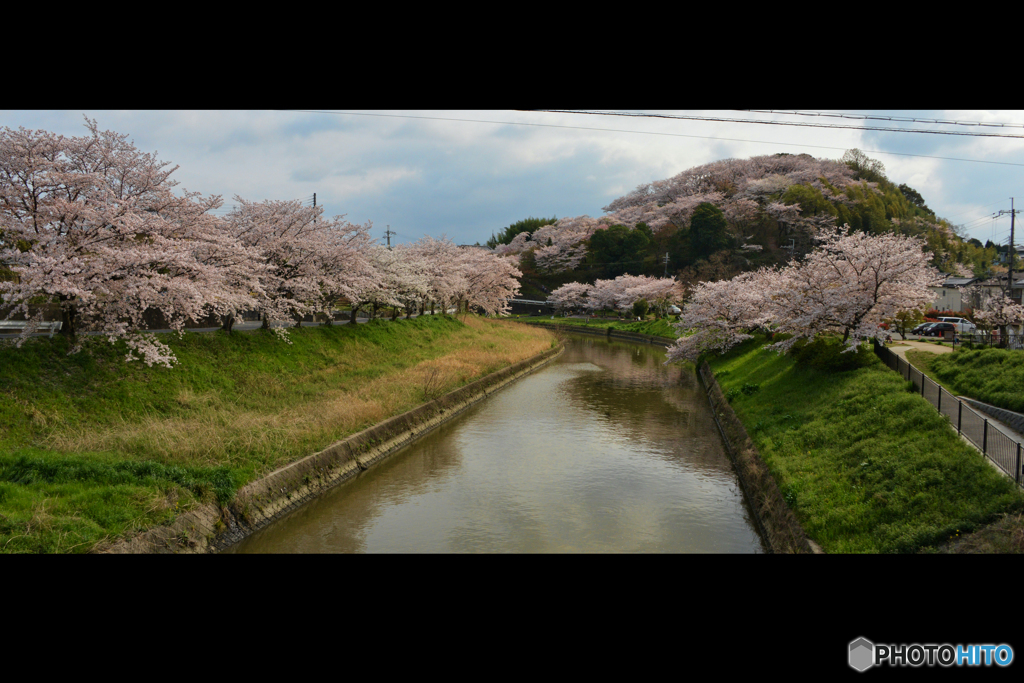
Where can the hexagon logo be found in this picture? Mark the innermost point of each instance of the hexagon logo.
(862, 654)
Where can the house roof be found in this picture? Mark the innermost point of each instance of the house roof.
(958, 281)
(1000, 281)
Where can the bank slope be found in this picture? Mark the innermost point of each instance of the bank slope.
(93, 449)
(866, 465)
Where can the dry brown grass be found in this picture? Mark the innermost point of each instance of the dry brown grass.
(1004, 537)
(217, 431)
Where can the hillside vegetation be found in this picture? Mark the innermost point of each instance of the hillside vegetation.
(719, 219)
(993, 376)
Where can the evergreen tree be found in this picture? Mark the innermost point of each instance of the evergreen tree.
(708, 230)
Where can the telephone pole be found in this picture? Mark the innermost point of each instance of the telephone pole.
(666, 264)
(1009, 275)
(388, 233)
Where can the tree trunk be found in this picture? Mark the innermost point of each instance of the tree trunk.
(228, 322)
(266, 322)
(352, 314)
(69, 321)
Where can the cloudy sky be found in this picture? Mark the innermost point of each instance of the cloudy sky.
(468, 174)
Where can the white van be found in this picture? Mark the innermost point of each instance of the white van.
(963, 325)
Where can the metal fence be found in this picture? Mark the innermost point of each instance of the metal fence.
(1010, 341)
(969, 423)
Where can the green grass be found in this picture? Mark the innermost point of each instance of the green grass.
(867, 466)
(994, 376)
(658, 328)
(93, 448)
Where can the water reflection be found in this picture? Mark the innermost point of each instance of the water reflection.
(605, 450)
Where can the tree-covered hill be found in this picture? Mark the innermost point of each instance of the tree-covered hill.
(716, 220)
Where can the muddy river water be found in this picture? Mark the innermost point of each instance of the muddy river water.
(605, 450)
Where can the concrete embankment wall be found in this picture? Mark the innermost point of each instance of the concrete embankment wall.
(779, 526)
(211, 528)
(1011, 419)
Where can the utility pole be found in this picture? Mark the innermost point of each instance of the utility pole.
(666, 264)
(388, 233)
(314, 206)
(1009, 275)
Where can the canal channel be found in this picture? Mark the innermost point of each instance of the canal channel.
(605, 450)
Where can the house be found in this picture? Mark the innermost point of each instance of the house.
(947, 295)
(996, 286)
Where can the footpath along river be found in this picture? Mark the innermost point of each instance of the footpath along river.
(604, 450)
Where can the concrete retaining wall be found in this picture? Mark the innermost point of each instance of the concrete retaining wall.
(211, 528)
(1014, 421)
(779, 526)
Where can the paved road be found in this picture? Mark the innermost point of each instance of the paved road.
(900, 348)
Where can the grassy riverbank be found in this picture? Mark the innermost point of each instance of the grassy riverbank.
(865, 464)
(658, 328)
(93, 448)
(993, 376)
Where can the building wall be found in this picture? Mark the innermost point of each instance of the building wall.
(947, 299)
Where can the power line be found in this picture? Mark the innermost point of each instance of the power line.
(647, 132)
(776, 123)
(983, 207)
(879, 117)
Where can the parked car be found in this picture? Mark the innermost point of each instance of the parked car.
(674, 310)
(938, 329)
(962, 324)
(921, 328)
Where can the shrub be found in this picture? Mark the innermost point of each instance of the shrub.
(640, 308)
(828, 354)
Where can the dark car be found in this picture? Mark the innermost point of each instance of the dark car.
(920, 329)
(938, 329)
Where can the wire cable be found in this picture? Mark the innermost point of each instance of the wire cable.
(646, 132)
(777, 123)
(879, 117)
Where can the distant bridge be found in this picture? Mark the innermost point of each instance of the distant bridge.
(530, 306)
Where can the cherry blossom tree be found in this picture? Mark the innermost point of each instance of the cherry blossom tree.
(573, 295)
(313, 261)
(91, 223)
(721, 314)
(992, 309)
(848, 285)
(490, 281)
(1000, 311)
(621, 293)
(441, 263)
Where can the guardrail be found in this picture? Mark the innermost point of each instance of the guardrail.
(969, 423)
(19, 325)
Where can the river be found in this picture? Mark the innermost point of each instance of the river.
(605, 450)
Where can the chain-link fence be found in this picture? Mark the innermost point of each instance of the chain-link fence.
(975, 427)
